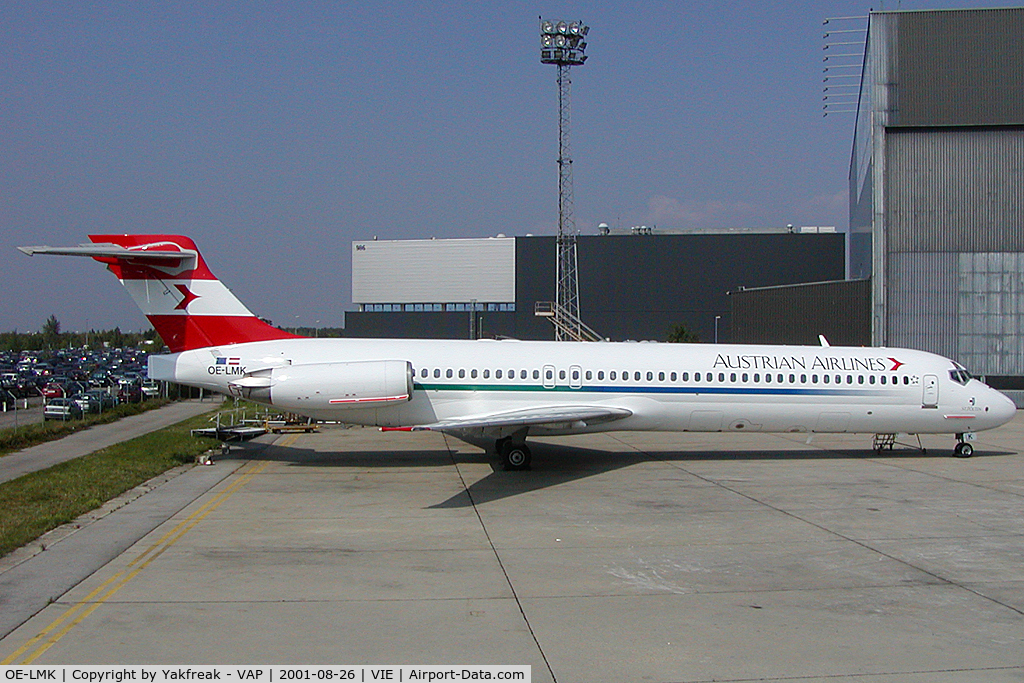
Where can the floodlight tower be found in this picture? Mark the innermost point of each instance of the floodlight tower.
(562, 44)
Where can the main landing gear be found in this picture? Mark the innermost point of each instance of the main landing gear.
(515, 455)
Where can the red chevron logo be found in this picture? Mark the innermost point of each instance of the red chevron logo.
(187, 297)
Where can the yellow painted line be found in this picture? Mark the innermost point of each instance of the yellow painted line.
(153, 551)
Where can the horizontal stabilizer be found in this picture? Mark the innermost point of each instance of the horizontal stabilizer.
(112, 251)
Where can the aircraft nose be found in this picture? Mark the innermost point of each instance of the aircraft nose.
(1003, 409)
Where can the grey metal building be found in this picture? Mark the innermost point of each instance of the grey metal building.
(937, 186)
(631, 286)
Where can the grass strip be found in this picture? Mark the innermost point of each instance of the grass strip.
(40, 501)
(16, 438)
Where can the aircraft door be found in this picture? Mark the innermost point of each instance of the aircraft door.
(549, 376)
(930, 391)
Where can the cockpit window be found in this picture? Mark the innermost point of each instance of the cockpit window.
(960, 376)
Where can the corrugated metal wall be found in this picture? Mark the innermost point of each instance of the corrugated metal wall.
(941, 180)
(922, 302)
(955, 189)
(797, 314)
(950, 67)
(955, 237)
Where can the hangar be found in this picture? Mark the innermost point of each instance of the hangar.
(937, 186)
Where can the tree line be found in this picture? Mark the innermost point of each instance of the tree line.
(50, 338)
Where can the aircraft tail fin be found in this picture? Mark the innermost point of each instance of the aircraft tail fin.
(169, 280)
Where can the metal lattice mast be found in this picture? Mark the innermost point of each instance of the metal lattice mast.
(567, 296)
(562, 44)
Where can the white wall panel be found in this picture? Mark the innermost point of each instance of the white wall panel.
(434, 271)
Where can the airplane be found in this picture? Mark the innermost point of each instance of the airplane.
(500, 392)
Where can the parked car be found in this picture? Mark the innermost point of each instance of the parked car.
(130, 393)
(54, 390)
(151, 388)
(105, 398)
(62, 409)
(87, 403)
(7, 400)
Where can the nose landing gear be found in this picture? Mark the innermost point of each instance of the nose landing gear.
(963, 448)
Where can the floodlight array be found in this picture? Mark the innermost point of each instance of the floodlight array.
(563, 42)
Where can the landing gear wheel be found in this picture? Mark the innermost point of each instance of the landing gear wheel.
(963, 450)
(515, 456)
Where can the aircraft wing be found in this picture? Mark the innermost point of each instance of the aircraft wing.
(550, 416)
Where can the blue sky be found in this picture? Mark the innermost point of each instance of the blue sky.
(275, 133)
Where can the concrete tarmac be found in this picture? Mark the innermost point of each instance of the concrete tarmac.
(619, 557)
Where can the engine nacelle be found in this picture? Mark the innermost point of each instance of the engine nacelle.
(319, 386)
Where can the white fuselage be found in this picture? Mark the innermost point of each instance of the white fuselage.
(666, 387)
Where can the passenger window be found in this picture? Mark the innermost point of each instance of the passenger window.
(575, 375)
(448, 373)
(661, 376)
(746, 377)
(839, 379)
(721, 377)
(824, 378)
(650, 376)
(792, 379)
(860, 379)
(561, 374)
(674, 377)
(636, 376)
(849, 379)
(511, 374)
(906, 380)
(814, 379)
(589, 375)
(871, 379)
(803, 379)
(686, 377)
(472, 373)
(424, 372)
(882, 379)
(487, 373)
(757, 377)
(437, 373)
(497, 374)
(710, 377)
(767, 377)
(549, 374)
(536, 374)
(780, 378)
(600, 375)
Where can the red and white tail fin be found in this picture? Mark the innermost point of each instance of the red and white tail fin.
(169, 280)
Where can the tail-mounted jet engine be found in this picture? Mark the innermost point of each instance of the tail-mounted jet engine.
(317, 386)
